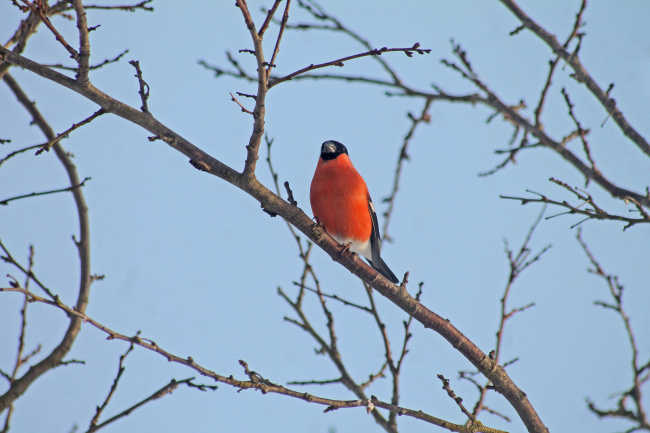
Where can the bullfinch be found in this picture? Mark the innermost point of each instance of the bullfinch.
(341, 203)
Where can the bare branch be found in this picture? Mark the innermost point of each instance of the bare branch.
(453, 396)
(129, 8)
(339, 62)
(637, 414)
(19, 151)
(256, 381)
(47, 146)
(165, 390)
(424, 117)
(144, 87)
(37, 8)
(5, 202)
(581, 75)
(262, 87)
(276, 50)
(517, 264)
(116, 381)
(593, 212)
(83, 59)
(243, 109)
(319, 13)
(582, 133)
(55, 357)
(91, 67)
(271, 202)
(269, 17)
(553, 63)
(27, 272)
(20, 360)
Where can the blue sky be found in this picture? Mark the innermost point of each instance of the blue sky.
(195, 265)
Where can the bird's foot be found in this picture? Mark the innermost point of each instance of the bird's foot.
(345, 250)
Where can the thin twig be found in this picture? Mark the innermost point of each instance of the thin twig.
(581, 132)
(553, 63)
(232, 98)
(453, 396)
(594, 213)
(269, 17)
(129, 8)
(91, 67)
(47, 146)
(144, 87)
(5, 202)
(340, 62)
(276, 50)
(27, 272)
(165, 390)
(19, 151)
(517, 263)
(256, 381)
(20, 360)
(120, 370)
(637, 414)
(38, 9)
(424, 117)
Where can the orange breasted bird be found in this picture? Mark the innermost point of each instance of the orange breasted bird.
(341, 203)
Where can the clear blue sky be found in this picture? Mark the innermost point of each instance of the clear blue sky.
(194, 264)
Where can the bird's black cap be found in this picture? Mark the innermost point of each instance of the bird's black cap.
(331, 149)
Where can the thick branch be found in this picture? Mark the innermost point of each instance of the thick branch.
(55, 358)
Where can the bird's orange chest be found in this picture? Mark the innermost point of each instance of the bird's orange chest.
(339, 199)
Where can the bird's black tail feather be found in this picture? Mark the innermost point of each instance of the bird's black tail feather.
(383, 269)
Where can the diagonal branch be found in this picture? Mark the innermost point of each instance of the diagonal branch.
(47, 146)
(553, 63)
(272, 203)
(269, 18)
(511, 114)
(116, 381)
(165, 390)
(27, 272)
(581, 75)
(38, 10)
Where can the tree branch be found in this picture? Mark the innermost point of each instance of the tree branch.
(581, 75)
(272, 203)
(55, 357)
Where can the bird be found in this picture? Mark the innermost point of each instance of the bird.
(341, 203)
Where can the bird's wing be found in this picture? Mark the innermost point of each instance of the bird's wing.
(374, 236)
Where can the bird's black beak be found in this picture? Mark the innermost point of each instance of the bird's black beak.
(328, 147)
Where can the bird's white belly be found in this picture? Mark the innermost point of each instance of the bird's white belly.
(361, 248)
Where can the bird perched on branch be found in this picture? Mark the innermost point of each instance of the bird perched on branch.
(341, 203)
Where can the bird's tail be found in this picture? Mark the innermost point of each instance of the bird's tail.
(383, 269)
